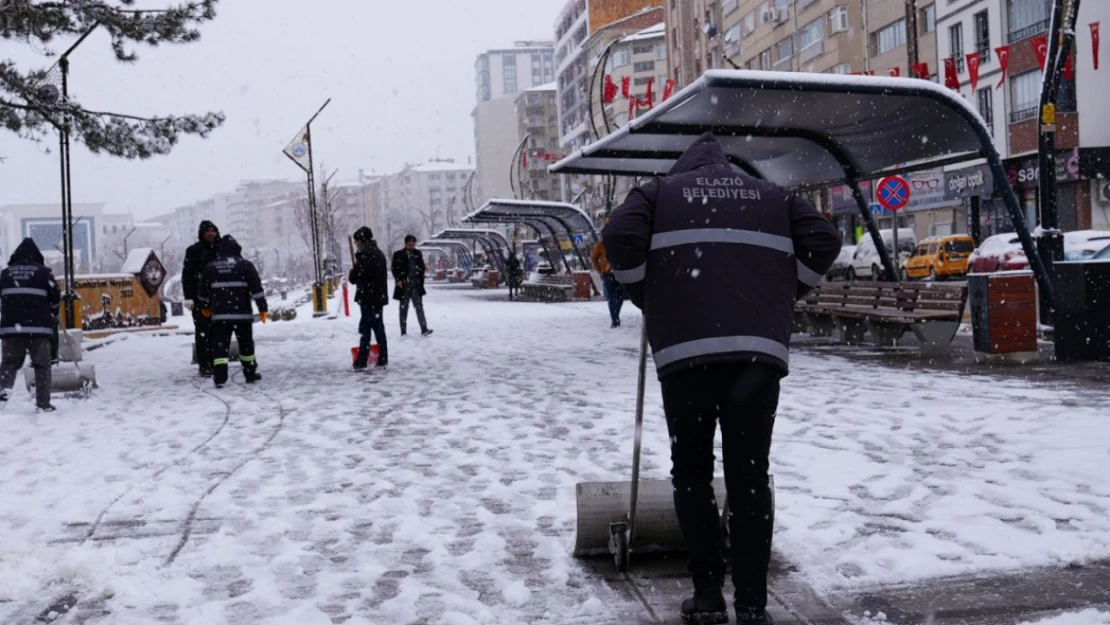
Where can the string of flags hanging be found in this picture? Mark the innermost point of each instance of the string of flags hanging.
(951, 73)
(635, 103)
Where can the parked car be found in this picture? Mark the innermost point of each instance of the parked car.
(866, 262)
(1084, 244)
(1001, 252)
(940, 257)
(843, 262)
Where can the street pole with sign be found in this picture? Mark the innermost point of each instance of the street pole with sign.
(299, 150)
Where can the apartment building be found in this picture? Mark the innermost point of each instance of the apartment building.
(537, 118)
(693, 37)
(508, 71)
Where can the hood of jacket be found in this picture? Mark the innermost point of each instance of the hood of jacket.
(229, 247)
(204, 225)
(705, 151)
(27, 252)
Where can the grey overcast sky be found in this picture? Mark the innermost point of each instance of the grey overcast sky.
(400, 74)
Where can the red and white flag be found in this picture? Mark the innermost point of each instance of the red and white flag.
(1040, 46)
(1003, 53)
(973, 69)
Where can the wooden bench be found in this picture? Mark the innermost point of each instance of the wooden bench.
(549, 288)
(885, 310)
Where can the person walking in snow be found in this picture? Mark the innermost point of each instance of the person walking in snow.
(516, 273)
(227, 287)
(720, 340)
(614, 294)
(29, 299)
(408, 270)
(197, 257)
(370, 276)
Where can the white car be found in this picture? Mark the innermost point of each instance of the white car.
(866, 262)
(1001, 252)
(1084, 244)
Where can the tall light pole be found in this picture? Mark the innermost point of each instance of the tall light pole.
(70, 296)
(299, 151)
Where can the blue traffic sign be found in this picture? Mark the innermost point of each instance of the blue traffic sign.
(893, 193)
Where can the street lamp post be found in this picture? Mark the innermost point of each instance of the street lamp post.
(70, 296)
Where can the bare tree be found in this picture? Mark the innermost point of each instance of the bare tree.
(430, 218)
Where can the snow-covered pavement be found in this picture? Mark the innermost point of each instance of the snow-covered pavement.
(442, 491)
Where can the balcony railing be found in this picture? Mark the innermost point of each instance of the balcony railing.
(1028, 31)
(1023, 115)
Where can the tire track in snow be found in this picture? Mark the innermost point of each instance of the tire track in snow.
(187, 530)
(227, 417)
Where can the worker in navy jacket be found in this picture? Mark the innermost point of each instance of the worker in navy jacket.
(715, 259)
(228, 286)
(29, 298)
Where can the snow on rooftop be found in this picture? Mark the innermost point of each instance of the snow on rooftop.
(651, 32)
(551, 86)
(135, 260)
(434, 166)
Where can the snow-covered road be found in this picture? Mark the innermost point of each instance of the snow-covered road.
(442, 491)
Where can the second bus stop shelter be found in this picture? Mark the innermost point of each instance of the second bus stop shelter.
(545, 218)
(461, 250)
(492, 242)
(809, 131)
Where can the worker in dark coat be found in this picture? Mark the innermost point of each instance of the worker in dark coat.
(408, 270)
(715, 259)
(371, 279)
(227, 287)
(29, 299)
(197, 257)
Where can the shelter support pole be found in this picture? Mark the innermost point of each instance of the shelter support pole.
(974, 228)
(1021, 228)
(884, 254)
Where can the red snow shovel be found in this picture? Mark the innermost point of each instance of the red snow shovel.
(372, 360)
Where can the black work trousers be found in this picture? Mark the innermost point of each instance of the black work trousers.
(412, 295)
(221, 347)
(202, 338)
(744, 398)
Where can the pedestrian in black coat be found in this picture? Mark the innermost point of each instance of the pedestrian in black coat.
(716, 259)
(408, 271)
(29, 299)
(197, 257)
(516, 273)
(371, 279)
(227, 287)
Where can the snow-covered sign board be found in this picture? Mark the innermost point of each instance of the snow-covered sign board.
(144, 264)
(796, 129)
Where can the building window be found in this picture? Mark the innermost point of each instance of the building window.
(784, 51)
(956, 45)
(1027, 18)
(841, 68)
(985, 98)
(643, 80)
(644, 66)
(732, 40)
(765, 14)
(1025, 96)
(838, 19)
(927, 19)
(749, 25)
(646, 49)
(982, 36)
(620, 58)
(765, 59)
(811, 39)
(660, 51)
(729, 6)
(888, 38)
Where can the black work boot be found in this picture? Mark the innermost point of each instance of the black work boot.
(752, 616)
(707, 606)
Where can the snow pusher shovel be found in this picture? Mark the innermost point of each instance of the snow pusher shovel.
(648, 524)
(72, 381)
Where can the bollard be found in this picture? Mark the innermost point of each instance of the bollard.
(346, 301)
(319, 299)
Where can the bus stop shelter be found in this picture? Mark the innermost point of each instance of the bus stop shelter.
(492, 242)
(430, 249)
(808, 131)
(461, 250)
(545, 218)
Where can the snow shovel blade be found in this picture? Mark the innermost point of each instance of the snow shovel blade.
(656, 525)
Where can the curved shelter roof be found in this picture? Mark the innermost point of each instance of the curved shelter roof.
(464, 234)
(796, 129)
(570, 217)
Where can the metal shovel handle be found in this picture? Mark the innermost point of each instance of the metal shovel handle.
(639, 436)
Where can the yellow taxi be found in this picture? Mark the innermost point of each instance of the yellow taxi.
(940, 257)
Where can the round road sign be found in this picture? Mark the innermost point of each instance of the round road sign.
(893, 193)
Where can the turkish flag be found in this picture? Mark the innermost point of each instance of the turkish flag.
(951, 77)
(921, 70)
(524, 159)
(1003, 53)
(668, 89)
(1040, 46)
(626, 84)
(1069, 67)
(895, 71)
(610, 90)
(1094, 42)
(973, 69)
(649, 97)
